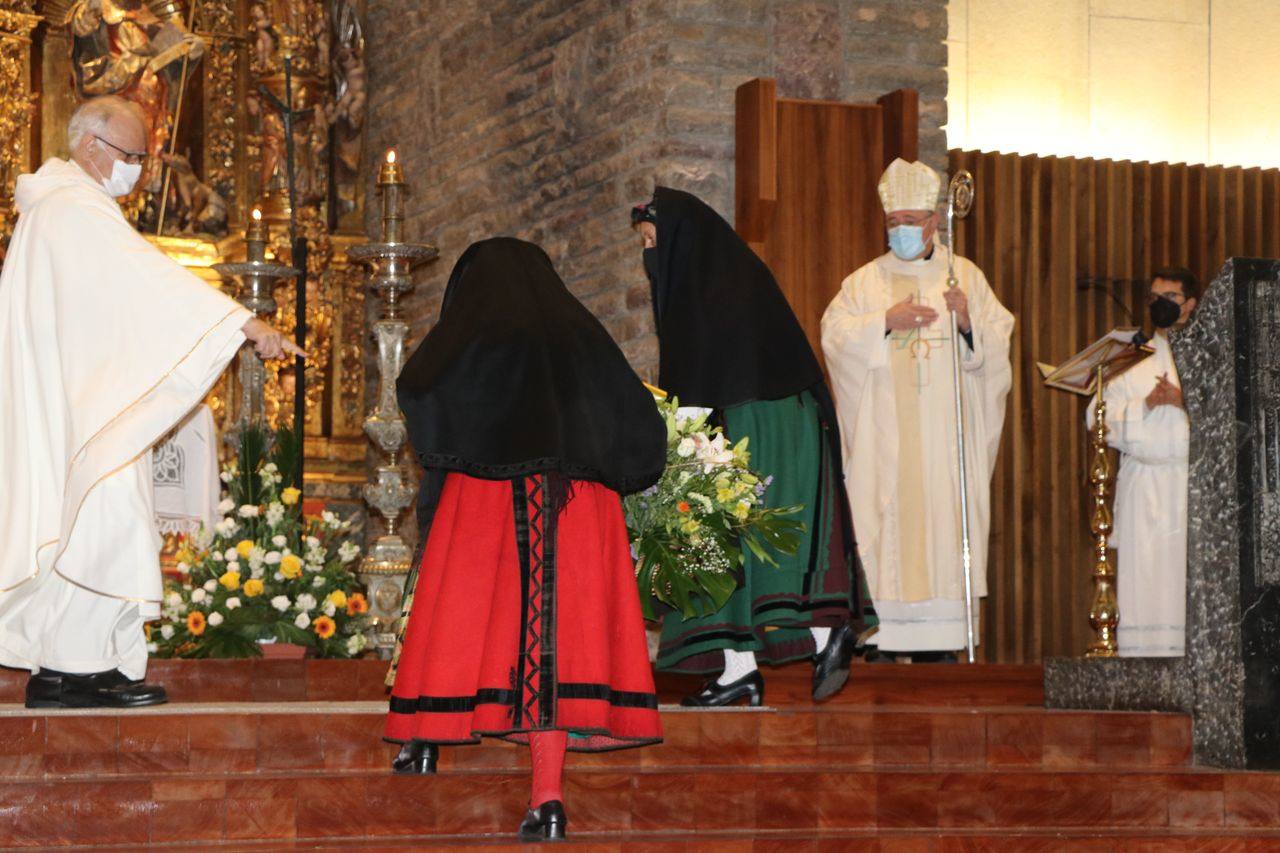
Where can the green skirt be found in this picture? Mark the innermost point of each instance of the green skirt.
(821, 585)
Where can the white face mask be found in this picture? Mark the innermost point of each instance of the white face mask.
(123, 177)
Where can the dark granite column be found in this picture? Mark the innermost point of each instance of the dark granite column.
(1229, 363)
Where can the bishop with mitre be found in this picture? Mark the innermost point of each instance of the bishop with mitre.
(105, 345)
(887, 342)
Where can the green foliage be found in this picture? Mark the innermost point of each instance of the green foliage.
(688, 531)
(265, 572)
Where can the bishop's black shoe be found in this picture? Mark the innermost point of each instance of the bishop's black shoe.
(545, 823)
(416, 757)
(934, 657)
(831, 665)
(713, 695)
(112, 689)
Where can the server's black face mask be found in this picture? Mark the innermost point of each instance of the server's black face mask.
(1164, 312)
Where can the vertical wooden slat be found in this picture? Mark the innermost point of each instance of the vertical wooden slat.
(1040, 226)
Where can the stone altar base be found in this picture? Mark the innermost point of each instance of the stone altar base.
(267, 755)
(1229, 362)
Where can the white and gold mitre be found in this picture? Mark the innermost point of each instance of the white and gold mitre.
(909, 186)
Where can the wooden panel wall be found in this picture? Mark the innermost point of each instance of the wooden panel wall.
(806, 199)
(1042, 230)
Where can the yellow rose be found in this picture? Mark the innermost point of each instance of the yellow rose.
(290, 496)
(231, 580)
(243, 548)
(253, 588)
(338, 598)
(290, 565)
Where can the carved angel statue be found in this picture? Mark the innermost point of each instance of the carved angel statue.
(120, 47)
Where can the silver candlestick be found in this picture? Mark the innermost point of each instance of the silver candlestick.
(391, 491)
(258, 278)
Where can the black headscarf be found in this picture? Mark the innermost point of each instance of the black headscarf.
(518, 378)
(726, 333)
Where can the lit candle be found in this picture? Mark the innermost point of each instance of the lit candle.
(391, 184)
(255, 238)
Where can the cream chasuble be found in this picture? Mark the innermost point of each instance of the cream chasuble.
(1150, 535)
(105, 344)
(895, 398)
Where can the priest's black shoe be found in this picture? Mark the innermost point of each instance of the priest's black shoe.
(416, 757)
(111, 689)
(749, 687)
(831, 665)
(545, 823)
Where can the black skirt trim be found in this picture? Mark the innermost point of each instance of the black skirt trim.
(493, 696)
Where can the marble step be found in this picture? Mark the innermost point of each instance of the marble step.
(951, 685)
(487, 804)
(248, 738)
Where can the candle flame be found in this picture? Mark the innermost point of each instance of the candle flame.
(257, 215)
(391, 155)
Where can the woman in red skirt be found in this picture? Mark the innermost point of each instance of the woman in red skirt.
(525, 622)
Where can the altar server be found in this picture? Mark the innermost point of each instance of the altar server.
(1147, 423)
(105, 344)
(526, 622)
(729, 342)
(887, 342)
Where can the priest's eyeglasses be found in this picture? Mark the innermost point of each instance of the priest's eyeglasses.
(133, 158)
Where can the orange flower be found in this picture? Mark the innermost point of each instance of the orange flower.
(195, 622)
(356, 604)
(683, 506)
(324, 627)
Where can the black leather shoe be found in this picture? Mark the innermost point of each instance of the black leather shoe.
(934, 657)
(831, 665)
(44, 689)
(713, 695)
(545, 823)
(416, 757)
(111, 689)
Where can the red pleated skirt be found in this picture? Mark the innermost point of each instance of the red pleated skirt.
(524, 620)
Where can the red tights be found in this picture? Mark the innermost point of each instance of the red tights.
(547, 749)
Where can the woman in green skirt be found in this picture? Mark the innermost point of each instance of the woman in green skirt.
(730, 343)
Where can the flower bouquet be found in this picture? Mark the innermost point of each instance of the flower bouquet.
(265, 573)
(689, 530)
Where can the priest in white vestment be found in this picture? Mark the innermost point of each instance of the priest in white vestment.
(1147, 423)
(887, 342)
(105, 344)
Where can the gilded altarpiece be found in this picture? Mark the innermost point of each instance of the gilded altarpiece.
(211, 79)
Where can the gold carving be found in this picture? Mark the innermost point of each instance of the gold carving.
(17, 105)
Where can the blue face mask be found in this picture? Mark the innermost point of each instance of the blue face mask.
(907, 241)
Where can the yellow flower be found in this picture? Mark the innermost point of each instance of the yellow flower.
(290, 566)
(338, 598)
(725, 495)
(324, 627)
(244, 547)
(253, 588)
(356, 604)
(742, 510)
(290, 496)
(195, 622)
(231, 580)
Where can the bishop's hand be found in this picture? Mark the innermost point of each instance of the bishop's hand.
(959, 303)
(907, 315)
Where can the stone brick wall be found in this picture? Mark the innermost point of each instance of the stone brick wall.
(547, 119)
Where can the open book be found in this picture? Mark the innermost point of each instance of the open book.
(1116, 351)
